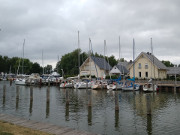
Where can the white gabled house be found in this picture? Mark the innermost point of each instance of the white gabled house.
(95, 66)
(148, 66)
(120, 69)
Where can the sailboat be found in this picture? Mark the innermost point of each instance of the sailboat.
(149, 86)
(115, 84)
(130, 85)
(101, 84)
(21, 79)
(82, 84)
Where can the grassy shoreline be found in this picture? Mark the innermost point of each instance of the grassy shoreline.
(11, 129)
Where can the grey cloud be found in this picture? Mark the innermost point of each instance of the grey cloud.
(52, 26)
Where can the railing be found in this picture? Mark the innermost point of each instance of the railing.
(159, 82)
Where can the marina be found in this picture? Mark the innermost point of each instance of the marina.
(94, 111)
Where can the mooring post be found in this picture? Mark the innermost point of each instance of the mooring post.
(116, 118)
(90, 115)
(17, 92)
(67, 112)
(175, 84)
(31, 99)
(116, 101)
(31, 92)
(4, 94)
(17, 97)
(47, 102)
(48, 83)
(10, 82)
(67, 96)
(116, 86)
(40, 82)
(101, 85)
(148, 104)
(166, 88)
(86, 85)
(133, 87)
(4, 91)
(89, 98)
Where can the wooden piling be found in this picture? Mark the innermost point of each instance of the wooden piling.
(10, 82)
(4, 94)
(47, 102)
(166, 88)
(116, 118)
(89, 98)
(86, 85)
(40, 82)
(90, 115)
(31, 92)
(116, 101)
(17, 97)
(4, 91)
(67, 96)
(133, 87)
(148, 104)
(31, 99)
(48, 83)
(67, 112)
(17, 92)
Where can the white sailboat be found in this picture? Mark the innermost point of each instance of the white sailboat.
(116, 84)
(130, 84)
(82, 84)
(21, 79)
(149, 86)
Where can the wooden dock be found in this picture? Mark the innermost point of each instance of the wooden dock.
(45, 127)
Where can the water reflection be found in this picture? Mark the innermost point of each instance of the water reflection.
(89, 115)
(31, 100)
(4, 95)
(67, 112)
(17, 97)
(94, 111)
(149, 124)
(116, 125)
(47, 102)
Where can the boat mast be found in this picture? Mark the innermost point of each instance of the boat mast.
(90, 56)
(133, 57)
(153, 56)
(78, 53)
(43, 62)
(119, 48)
(23, 58)
(104, 55)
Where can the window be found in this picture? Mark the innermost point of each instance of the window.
(139, 74)
(146, 66)
(146, 74)
(139, 65)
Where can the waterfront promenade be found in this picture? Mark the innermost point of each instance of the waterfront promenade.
(45, 127)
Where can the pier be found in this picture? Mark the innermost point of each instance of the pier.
(45, 127)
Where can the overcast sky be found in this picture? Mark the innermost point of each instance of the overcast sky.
(52, 26)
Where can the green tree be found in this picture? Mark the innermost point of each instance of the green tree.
(69, 62)
(167, 63)
(48, 69)
(112, 61)
(36, 68)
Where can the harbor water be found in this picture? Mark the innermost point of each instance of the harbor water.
(96, 111)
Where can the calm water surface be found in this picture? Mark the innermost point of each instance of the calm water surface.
(49, 105)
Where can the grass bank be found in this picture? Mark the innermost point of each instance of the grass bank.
(11, 129)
